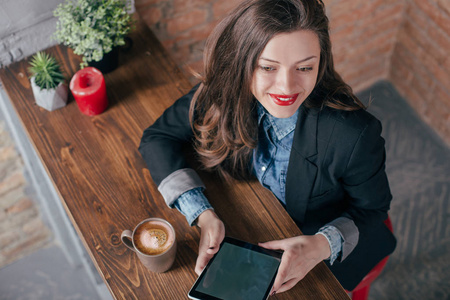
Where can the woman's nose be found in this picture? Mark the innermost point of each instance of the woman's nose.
(286, 82)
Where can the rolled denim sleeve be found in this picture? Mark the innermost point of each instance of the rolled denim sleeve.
(180, 181)
(335, 240)
(349, 234)
(191, 204)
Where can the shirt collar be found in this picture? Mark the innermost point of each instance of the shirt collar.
(281, 126)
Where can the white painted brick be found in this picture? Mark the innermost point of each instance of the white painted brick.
(5, 58)
(17, 54)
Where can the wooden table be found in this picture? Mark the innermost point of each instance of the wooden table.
(105, 186)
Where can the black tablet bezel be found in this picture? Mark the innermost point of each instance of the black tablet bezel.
(194, 294)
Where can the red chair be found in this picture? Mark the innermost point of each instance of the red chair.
(361, 291)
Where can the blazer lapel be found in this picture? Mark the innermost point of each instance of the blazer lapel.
(302, 170)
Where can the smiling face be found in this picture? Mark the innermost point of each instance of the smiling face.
(287, 72)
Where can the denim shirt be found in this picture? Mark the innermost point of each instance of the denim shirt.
(271, 156)
(270, 164)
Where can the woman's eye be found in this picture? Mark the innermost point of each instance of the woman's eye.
(305, 69)
(266, 68)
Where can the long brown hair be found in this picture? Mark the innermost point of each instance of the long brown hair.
(223, 111)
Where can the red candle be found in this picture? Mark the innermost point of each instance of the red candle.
(89, 90)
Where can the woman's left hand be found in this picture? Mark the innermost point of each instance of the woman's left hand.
(301, 255)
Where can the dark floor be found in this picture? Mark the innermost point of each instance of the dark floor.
(418, 166)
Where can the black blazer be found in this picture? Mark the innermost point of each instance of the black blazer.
(336, 169)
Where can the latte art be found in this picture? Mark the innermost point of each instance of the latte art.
(153, 238)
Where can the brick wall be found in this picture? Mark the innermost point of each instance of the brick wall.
(25, 27)
(420, 67)
(183, 26)
(21, 228)
(404, 41)
(362, 51)
(363, 35)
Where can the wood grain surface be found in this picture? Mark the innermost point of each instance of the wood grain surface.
(105, 186)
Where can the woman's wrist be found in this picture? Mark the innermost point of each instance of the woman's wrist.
(206, 217)
(324, 246)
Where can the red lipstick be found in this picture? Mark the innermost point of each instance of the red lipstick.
(284, 100)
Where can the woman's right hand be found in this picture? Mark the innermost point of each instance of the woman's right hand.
(212, 234)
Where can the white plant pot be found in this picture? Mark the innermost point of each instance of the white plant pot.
(50, 99)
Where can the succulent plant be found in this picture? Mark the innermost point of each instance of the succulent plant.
(46, 71)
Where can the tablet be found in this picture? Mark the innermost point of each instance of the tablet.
(239, 270)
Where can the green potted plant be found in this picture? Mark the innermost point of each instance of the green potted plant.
(93, 28)
(47, 82)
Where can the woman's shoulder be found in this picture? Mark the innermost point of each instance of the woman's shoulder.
(348, 122)
(354, 118)
(358, 118)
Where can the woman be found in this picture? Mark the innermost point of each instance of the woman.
(272, 106)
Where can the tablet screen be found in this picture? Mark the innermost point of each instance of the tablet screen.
(238, 271)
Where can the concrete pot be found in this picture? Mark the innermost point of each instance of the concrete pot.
(50, 99)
